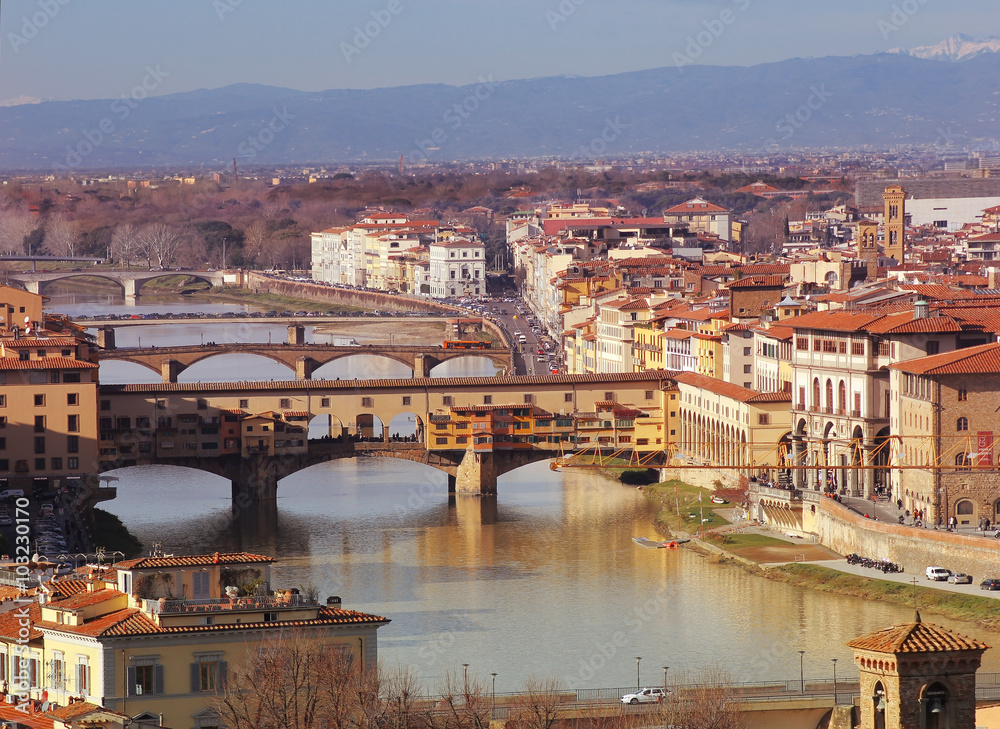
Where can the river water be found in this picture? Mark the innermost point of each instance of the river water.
(544, 579)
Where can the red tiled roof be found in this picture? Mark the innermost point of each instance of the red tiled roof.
(697, 205)
(751, 282)
(10, 622)
(728, 389)
(917, 637)
(78, 710)
(45, 363)
(85, 599)
(12, 343)
(192, 561)
(10, 714)
(906, 323)
(984, 359)
(128, 621)
(834, 321)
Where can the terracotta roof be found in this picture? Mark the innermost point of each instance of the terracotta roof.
(751, 282)
(66, 587)
(75, 711)
(834, 321)
(697, 205)
(906, 323)
(45, 363)
(728, 389)
(10, 622)
(392, 384)
(11, 714)
(85, 599)
(12, 343)
(128, 621)
(917, 637)
(193, 561)
(984, 359)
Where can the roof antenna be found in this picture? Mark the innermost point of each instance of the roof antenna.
(916, 612)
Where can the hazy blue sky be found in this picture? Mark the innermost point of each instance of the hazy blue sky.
(66, 49)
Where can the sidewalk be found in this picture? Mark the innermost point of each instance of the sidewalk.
(886, 511)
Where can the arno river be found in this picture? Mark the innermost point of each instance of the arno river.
(545, 579)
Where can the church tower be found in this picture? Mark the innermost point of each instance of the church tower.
(917, 676)
(867, 246)
(895, 222)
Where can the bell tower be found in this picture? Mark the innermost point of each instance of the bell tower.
(917, 676)
(895, 222)
(867, 246)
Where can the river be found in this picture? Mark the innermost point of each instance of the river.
(544, 579)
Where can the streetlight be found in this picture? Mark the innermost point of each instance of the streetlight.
(802, 675)
(466, 667)
(494, 706)
(834, 681)
(665, 669)
(638, 685)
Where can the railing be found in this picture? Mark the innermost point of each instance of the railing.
(215, 605)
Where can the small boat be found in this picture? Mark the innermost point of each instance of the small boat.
(671, 544)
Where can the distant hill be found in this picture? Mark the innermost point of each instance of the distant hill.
(879, 100)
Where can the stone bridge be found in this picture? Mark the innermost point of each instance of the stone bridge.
(130, 281)
(255, 477)
(303, 359)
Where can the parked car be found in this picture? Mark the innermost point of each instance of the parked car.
(990, 584)
(938, 574)
(646, 696)
(960, 578)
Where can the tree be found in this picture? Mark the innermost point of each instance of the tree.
(62, 235)
(537, 705)
(125, 243)
(159, 241)
(707, 701)
(256, 237)
(16, 224)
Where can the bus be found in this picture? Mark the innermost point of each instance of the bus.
(466, 344)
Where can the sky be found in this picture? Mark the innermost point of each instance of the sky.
(102, 49)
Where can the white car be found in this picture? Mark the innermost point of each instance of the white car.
(646, 696)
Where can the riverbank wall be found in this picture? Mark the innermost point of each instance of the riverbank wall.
(259, 284)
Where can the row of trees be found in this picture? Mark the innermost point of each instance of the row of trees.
(294, 682)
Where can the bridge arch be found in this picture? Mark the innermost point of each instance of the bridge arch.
(44, 283)
(239, 364)
(361, 365)
(140, 282)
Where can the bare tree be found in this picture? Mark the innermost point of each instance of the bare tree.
(125, 243)
(707, 701)
(463, 703)
(62, 235)
(256, 237)
(16, 225)
(158, 241)
(536, 707)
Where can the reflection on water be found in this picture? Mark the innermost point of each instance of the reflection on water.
(544, 579)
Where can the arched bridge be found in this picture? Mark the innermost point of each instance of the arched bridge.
(303, 359)
(130, 281)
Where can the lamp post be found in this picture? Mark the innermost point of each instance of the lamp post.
(465, 666)
(802, 675)
(638, 685)
(494, 699)
(834, 681)
(665, 669)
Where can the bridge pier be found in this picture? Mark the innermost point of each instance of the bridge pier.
(296, 334)
(304, 367)
(477, 474)
(169, 369)
(131, 287)
(33, 287)
(106, 338)
(257, 482)
(423, 363)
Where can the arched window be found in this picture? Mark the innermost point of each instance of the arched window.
(963, 460)
(962, 424)
(816, 400)
(842, 397)
(829, 395)
(965, 508)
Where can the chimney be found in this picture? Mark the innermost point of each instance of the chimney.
(921, 310)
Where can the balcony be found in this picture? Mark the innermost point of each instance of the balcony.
(223, 604)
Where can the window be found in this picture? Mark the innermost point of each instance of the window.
(747, 369)
(71, 377)
(649, 394)
(964, 508)
(858, 348)
(568, 397)
(72, 463)
(40, 444)
(105, 404)
(367, 402)
(406, 399)
(72, 398)
(441, 441)
(202, 404)
(3, 401)
(528, 399)
(82, 675)
(39, 423)
(244, 403)
(963, 394)
(145, 676)
(487, 399)
(54, 378)
(3, 444)
(963, 460)
(746, 351)
(802, 343)
(40, 401)
(962, 424)
(446, 400)
(57, 462)
(208, 674)
(285, 403)
(609, 396)
(24, 355)
(933, 347)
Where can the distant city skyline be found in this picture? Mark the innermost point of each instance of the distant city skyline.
(69, 49)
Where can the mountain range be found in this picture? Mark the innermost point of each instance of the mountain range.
(959, 47)
(833, 102)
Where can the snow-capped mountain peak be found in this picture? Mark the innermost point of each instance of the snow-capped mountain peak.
(959, 47)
